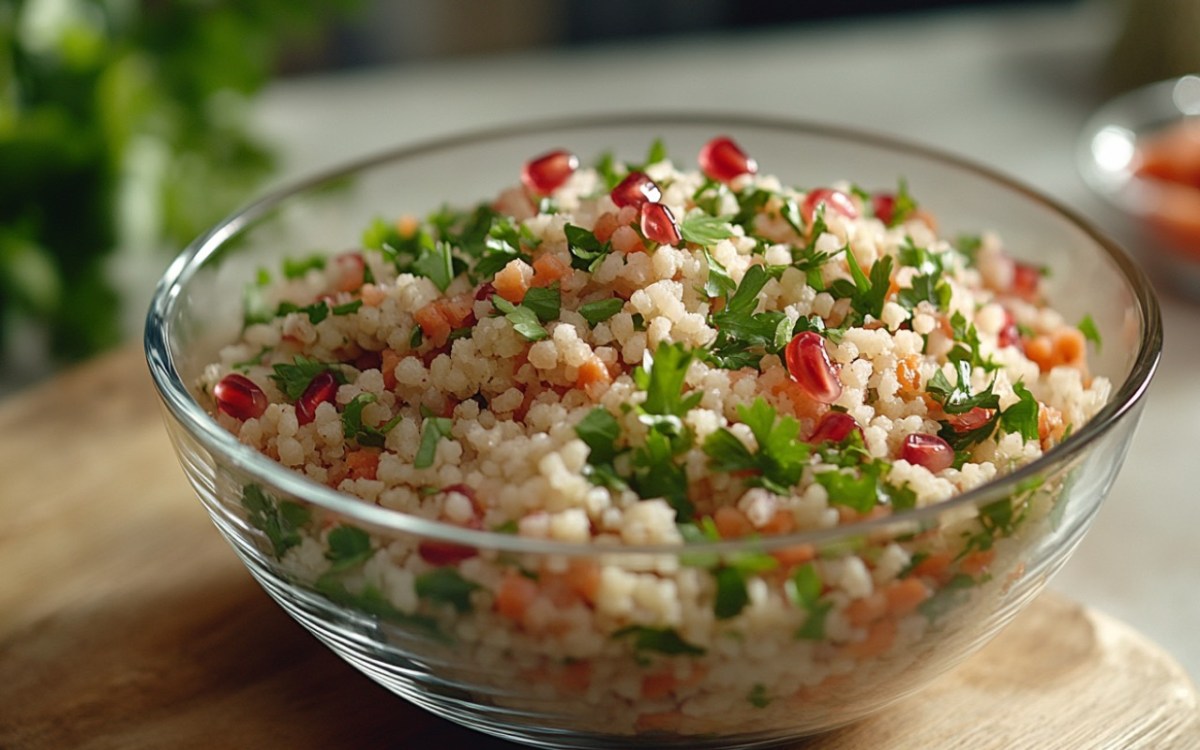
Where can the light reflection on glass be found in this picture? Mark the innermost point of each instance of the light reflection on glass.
(1113, 148)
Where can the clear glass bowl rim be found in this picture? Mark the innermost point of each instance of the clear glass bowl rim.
(227, 450)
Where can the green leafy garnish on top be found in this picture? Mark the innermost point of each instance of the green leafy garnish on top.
(292, 379)
(779, 459)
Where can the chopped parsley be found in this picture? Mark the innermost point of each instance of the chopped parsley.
(599, 430)
(757, 696)
(434, 430)
(587, 252)
(1022, 417)
(656, 473)
(867, 291)
(354, 428)
(446, 585)
(744, 336)
(436, 263)
(293, 379)
(281, 521)
(719, 283)
(601, 310)
(524, 320)
(295, 268)
(1088, 328)
(664, 641)
(780, 457)
(505, 242)
(804, 590)
(903, 205)
(348, 547)
(966, 346)
(702, 229)
(545, 302)
(956, 398)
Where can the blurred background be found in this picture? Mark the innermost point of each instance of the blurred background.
(125, 125)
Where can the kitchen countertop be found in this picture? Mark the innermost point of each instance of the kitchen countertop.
(1009, 89)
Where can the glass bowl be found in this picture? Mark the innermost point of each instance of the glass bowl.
(1162, 218)
(572, 675)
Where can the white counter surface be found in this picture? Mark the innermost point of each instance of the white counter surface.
(1008, 89)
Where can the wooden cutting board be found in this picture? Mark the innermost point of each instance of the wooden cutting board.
(126, 622)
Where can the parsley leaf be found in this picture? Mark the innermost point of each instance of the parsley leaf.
(1022, 417)
(446, 585)
(349, 546)
(658, 640)
(523, 319)
(587, 252)
(780, 458)
(966, 346)
(662, 377)
(434, 430)
(316, 312)
(354, 428)
(957, 398)
(719, 283)
(744, 336)
(868, 290)
(599, 430)
(601, 310)
(758, 697)
(293, 379)
(732, 595)
(505, 242)
(436, 264)
(903, 205)
(702, 229)
(545, 302)
(1088, 328)
(657, 475)
(280, 521)
(295, 268)
(804, 590)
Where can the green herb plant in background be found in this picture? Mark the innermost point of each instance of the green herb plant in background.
(123, 134)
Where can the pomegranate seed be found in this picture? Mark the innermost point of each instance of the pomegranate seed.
(929, 451)
(833, 200)
(323, 387)
(834, 427)
(658, 224)
(1027, 280)
(438, 552)
(635, 190)
(1009, 334)
(548, 172)
(723, 160)
(884, 206)
(808, 364)
(971, 420)
(485, 291)
(239, 397)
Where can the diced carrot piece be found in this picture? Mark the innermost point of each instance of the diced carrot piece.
(797, 554)
(908, 374)
(781, 522)
(880, 637)
(575, 677)
(1070, 346)
(592, 371)
(977, 562)
(389, 358)
(548, 269)
(512, 281)
(731, 523)
(625, 239)
(866, 610)
(659, 721)
(514, 596)
(1040, 350)
(362, 463)
(1050, 424)
(433, 323)
(458, 310)
(583, 576)
(407, 225)
(935, 566)
(605, 225)
(658, 685)
(904, 595)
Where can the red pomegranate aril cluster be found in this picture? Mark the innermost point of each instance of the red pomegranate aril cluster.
(1009, 334)
(930, 451)
(635, 190)
(809, 366)
(723, 160)
(658, 224)
(884, 207)
(548, 172)
(972, 419)
(1027, 280)
(834, 201)
(240, 397)
(834, 427)
(322, 388)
